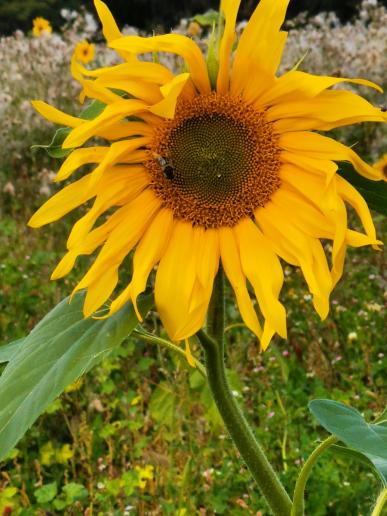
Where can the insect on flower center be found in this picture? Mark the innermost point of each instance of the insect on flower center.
(215, 162)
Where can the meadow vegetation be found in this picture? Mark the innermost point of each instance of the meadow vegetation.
(140, 434)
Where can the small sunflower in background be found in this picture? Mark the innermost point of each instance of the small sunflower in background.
(40, 27)
(382, 165)
(205, 168)
(84, 52)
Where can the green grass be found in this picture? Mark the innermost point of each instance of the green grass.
(144, 407)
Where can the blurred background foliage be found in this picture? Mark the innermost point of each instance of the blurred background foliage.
(148, 14)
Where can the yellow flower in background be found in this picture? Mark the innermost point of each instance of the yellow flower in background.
(200, 175)
(41, 26)
(144, 474)
(194, 29)
(84, 52)
(382, 166)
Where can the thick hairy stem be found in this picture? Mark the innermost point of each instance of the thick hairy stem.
(233, 418)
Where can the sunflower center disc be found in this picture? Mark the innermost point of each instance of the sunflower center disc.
(215, 162)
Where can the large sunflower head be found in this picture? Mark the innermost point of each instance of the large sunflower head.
(194, 172)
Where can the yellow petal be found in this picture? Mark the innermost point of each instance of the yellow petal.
(109, 116)
(299, 194)
(339, 248)
(147, 254)
(55, 115)
(356, 239)
(171, 91)
(263, 269)
(304, 211)
(330, 225)
(261, 42)
(188, 354)
(109, 27)
(99, 291)
(353, 197)
(101, 87)
(149, 93)
(143, 71)
(206, 249)
(295, 84)
(120, 130)
(123, 237)
(117, 188)
(93, 240)
(260, 77)
(116, 153)
(176, 44)
(319, 168)
(78, 158)
(321, 147)
(310, 183)
(65, 265)
(208, 256)
(94, 90)
(326, 111)
(230, 10)
(299, 249)
(175, 278)
(232, 267)
(63, 202)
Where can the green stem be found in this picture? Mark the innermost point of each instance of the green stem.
(148, 337)
(299, 491)
(380, 503)
(233, 418)
(215, 316)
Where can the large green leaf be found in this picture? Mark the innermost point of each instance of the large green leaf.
(7, 351)
(348, 425)
(374, 192)
(382, 418)
(61, 348)
(380, 464)
(378, 467)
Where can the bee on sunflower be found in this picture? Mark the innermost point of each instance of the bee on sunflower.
(207, 168)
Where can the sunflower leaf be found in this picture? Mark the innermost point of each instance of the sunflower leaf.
(8, 351)
(61, 348)
(374, 192)
(378, 469)
(348, 425)
(94, 109)
(54, 149)
(208, 19)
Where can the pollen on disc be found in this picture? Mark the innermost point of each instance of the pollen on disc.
(215, 162)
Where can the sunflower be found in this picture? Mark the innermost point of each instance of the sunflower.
(41, 26)
(84, 51)
(195, 171)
